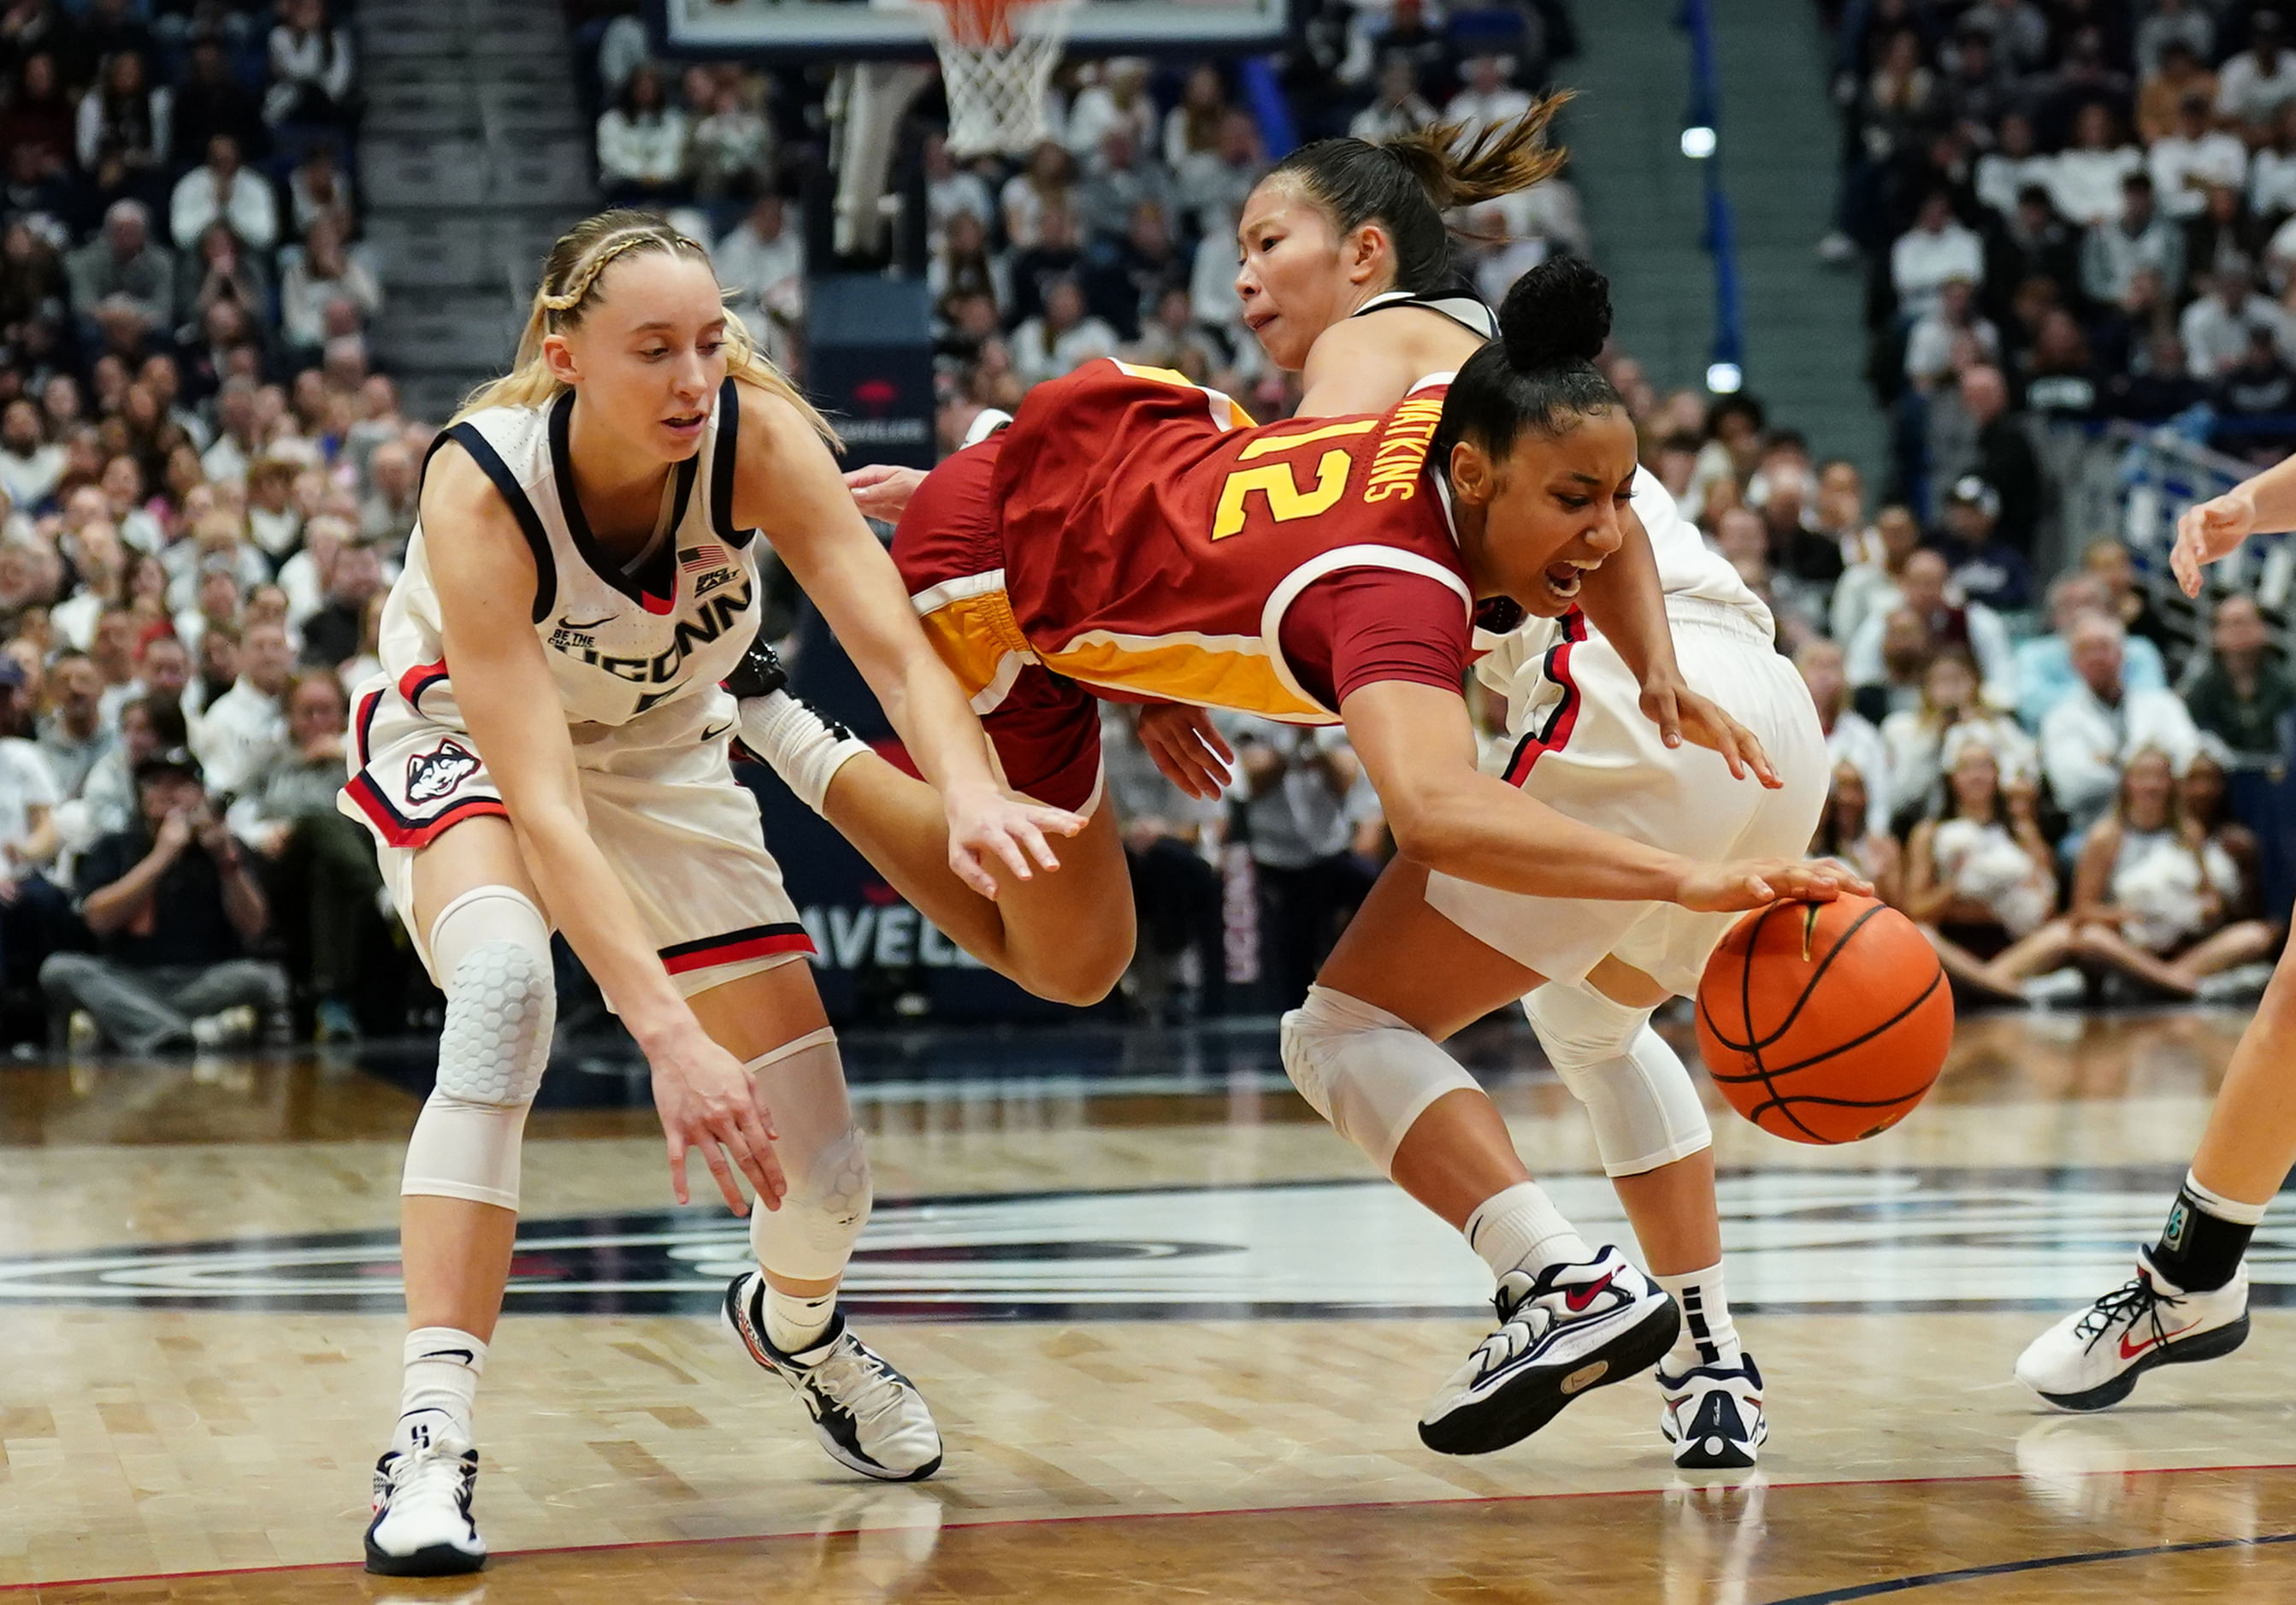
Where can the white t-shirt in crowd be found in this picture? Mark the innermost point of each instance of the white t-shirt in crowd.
(26, 782)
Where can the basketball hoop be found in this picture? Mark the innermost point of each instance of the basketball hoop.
(997, 61)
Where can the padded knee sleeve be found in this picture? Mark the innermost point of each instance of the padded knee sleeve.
(1637, 1090)
(1365, 1071)
(823, 1158)
(491, 947)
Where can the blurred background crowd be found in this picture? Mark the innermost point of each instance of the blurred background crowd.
(2067, 210)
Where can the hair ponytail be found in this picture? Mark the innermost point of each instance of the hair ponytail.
(1540, 373)
(1406, 183)
(1504, 159)
(571, 276)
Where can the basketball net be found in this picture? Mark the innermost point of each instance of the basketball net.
(997, 61)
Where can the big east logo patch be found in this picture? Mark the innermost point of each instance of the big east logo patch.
(432, 775)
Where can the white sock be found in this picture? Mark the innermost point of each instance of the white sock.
(1706, 1337)
(2225, 1209)
(804, 749)
(795, 1323)
(441, 1385)
(1520, 1229)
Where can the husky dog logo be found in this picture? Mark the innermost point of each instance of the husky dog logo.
(432, 775)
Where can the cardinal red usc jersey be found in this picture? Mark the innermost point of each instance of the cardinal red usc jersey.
(1138, 535)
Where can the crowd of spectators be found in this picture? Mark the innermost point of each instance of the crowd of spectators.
(2076, 209)
(204, 489)
(2093, 200)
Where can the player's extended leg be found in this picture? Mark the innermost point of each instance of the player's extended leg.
(2189, 1298)
(1658, 1149)
(1363, 1051)
(868, 1416)
(489, 950)
(1066, 935)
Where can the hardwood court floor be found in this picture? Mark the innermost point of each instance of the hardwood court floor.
(1176, 1337)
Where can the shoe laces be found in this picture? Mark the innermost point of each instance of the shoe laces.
(1519, 1331)
(858, 1380)
(431, 1473)
(2136, 1300)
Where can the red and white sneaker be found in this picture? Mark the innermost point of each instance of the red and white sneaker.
(1570, 1329)
(2092, 1358)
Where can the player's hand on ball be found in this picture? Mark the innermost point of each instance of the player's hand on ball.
(984, 822)
(1187, 749)
(2210, 530)
(707, 1104)
(1757, 883)
(1682, 715)
(882, 492)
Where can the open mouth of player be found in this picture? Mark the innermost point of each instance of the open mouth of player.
(1563, 580)
(686, 423)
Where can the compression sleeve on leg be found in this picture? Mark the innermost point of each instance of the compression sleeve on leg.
(491, 947)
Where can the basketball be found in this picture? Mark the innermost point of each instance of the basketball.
(1825, 1022)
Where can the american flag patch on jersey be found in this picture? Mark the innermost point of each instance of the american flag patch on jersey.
(707, 555)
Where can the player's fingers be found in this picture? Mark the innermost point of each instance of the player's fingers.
(746, 1141)
(1214, 758)
(1006, 850)
(1756, 890)
(1727, 732)
(713, 1157)
(1667, 712)
(1209, 734)
(1059, 821)
(1038, 848)
(677, 1164)
(1169, 767)
(1758, 760)
(966, 867)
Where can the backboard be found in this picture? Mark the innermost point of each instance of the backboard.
(860, 29)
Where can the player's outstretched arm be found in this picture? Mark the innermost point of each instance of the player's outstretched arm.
(2214, 529)
(788, 486)
(486, 580)
(1418, 746)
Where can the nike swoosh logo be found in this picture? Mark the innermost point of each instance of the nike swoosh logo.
(448, 1354)
(565, 623)
(1579, 1299)
(2127, 1352)
(709, 736)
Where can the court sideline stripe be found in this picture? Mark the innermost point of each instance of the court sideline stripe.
(1269, 1509)
(2002, 1569)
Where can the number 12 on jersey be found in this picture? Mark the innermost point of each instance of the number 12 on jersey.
(1287, 499)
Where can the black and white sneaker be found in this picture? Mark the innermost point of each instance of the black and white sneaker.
(870, 1416)
(2092, 1357)
(423, 1525)
(1570, 1329)
(1712, 1415)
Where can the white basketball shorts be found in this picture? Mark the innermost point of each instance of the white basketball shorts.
(662, 805)
(1586, 750)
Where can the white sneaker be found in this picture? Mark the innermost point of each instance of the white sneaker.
(870, 1416)
(2092, 1357)
(2065, 986)
(1712, 1415)
(229, 1027)
(423, 1525)
(1570, 1329)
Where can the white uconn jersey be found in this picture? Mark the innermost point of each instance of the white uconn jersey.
(618, 642)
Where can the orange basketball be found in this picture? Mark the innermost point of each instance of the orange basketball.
(1825, 1022)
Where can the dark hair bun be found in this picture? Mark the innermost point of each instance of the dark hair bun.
(1556, 316)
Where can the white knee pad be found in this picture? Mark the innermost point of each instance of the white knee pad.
(823, 1157)
(491, 947)
(1365, 1071)
(1637, 1090)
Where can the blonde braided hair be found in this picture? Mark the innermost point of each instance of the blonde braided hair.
(570, 274)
